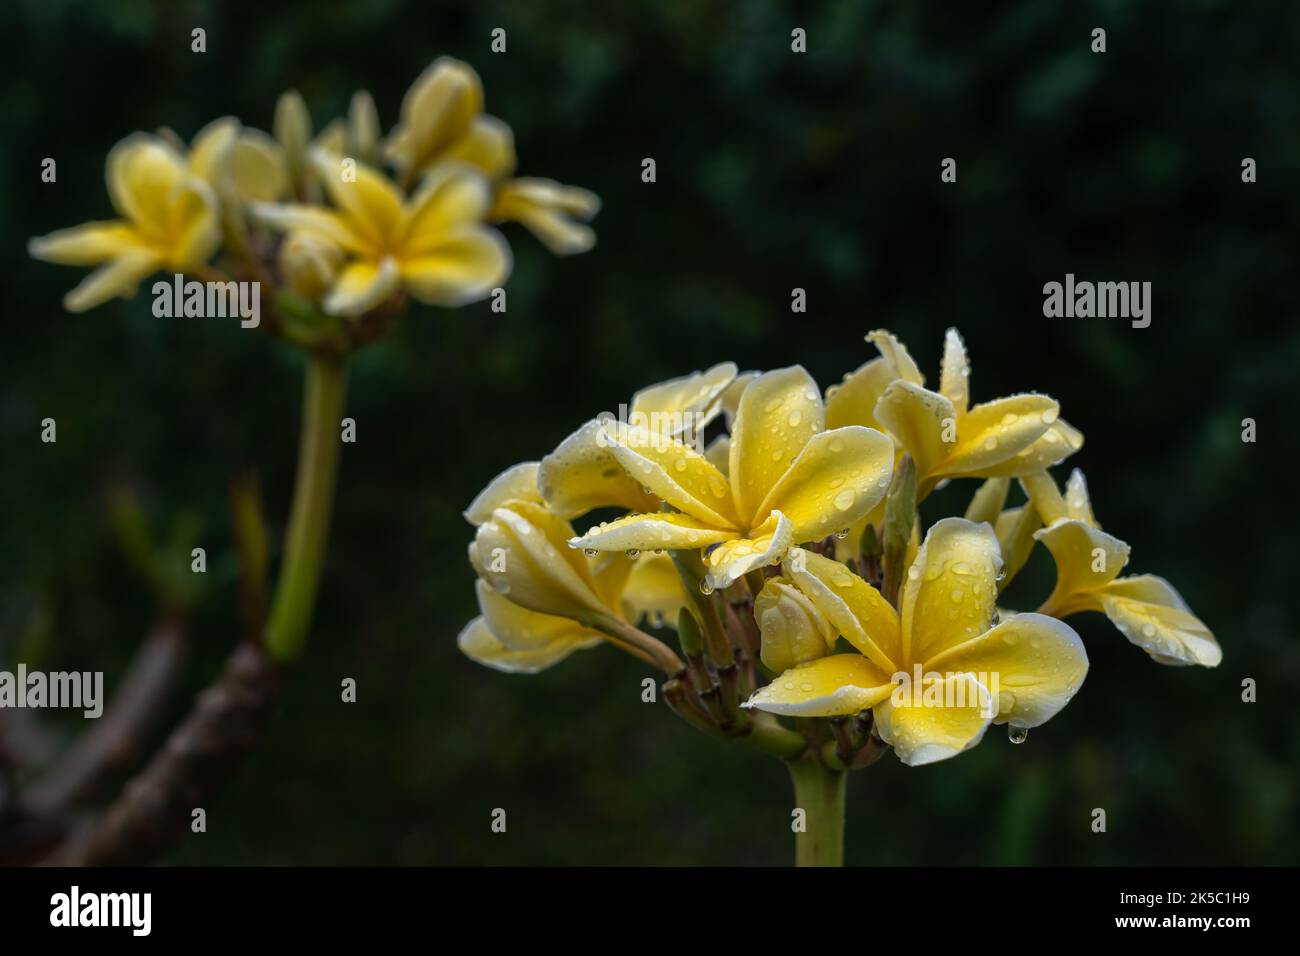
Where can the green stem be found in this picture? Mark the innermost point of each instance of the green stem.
(309, 518)
(819, 792)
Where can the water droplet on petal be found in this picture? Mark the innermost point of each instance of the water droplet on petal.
(1017, 734)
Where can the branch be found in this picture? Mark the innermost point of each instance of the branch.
(117, 738)
(154, 808)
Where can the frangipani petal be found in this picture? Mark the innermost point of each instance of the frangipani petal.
(954, 377)
(465, 266)
(449, 199)
(1034, 663)
(546, 208)
(779, 412)
(209, 157)
(896, 356)
(950, 590)
(766, 545)
(119, 277)
(361, 286)
(682, 405)
(520, 629)
(855, 609)
(953, 722)
(583, 474)
(325, 224)
(489, 146)
(259, 171)
(1077, 503)
(835, 686)
(1086, 558)
(674, 473)
(1151, 614)
(86, 245)
(516, 482)
(143, 174)
(367, 198)
(653, 590)
(1059, 442)
(920, 420)
(477, 643)
(437, 111)
(838, 478)
(996, 431)
(668, 531)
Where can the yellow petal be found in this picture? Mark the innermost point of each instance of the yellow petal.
(839, 478)
(582, 474)
(1032, 663)
(653, 590)
(793, 630)
(938, 720)
(143, 174)
(119, 277)
(210, 154)
(853, 401)
(1086, 559)
(449, 199)
(324, 224)
(674, 473)
(1059, 442)
(520, 629)
(488, 146)
(668, 531)
(478, 643)
(1151, 614)
(367, 198)
(463, 267)
(516, 482)
(896, 356)
(954, 377)
(853, 607)
(719, 453)
(950, 591)
(778, 413)
(731, 395)
(522, 554)
(682, 406)
(86, 245)
(834, 686)
(436, 112)
(361, 286)
(996, 431)
(546, 208)
(766, 545)
(258, 168)
(1077, 503)
(920, 420)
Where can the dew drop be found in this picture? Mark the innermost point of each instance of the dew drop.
(633, 553)
(844, 500)
(842, 533)
(1017, 734)
(706, 588)
(590, 552)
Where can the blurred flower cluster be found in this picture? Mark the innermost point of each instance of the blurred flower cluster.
(317, 215)
(789, 553)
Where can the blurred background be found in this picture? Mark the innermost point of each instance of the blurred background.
(775, 171)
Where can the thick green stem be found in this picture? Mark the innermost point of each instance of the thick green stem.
(309, 518)
(819, 793)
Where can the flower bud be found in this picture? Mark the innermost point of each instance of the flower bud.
(309, 264)
(794, 631)
(292, 128)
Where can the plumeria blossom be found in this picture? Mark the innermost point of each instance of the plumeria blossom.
(1146, 608)
(433, 246)
(539, 600)
(966, 670)
(944, 434)
(442, 120)
(169, 218)
(583, 474)
(788, 480)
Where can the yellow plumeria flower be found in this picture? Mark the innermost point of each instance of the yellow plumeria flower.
(788, 481)
(946, 437)
(537, 597)
(582, 473)
(433, 246)
(442, 120)
(965, 671)
(169, 218)
(1146, 608)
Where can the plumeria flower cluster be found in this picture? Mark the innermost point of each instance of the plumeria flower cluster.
(815, 614)
(317, 215)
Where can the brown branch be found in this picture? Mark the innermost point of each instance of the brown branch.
(154, 809)
(117, 738)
